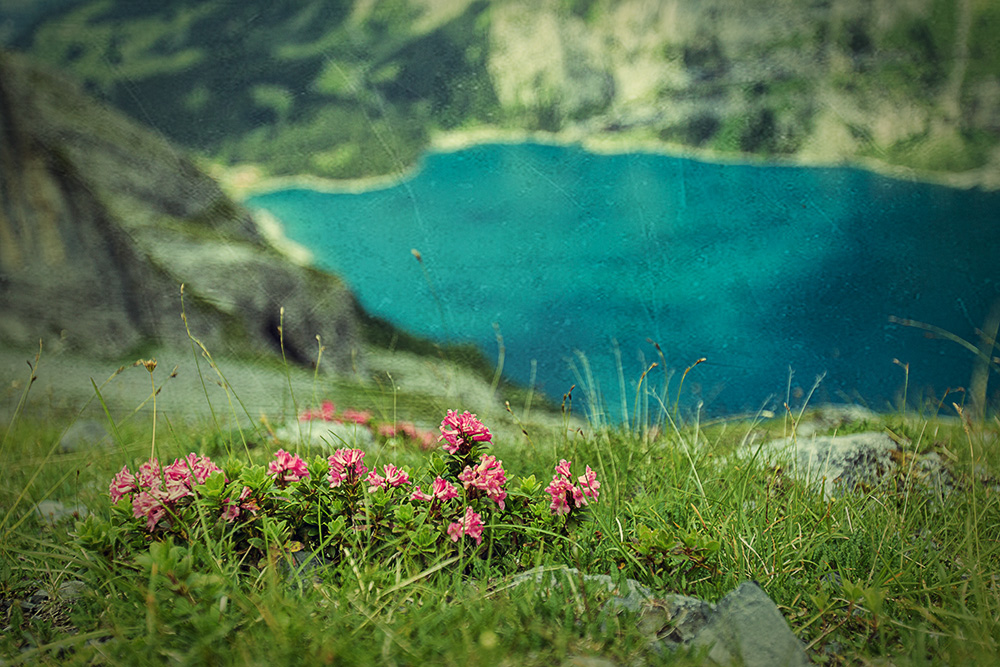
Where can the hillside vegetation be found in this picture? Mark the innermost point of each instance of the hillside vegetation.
(348, 89)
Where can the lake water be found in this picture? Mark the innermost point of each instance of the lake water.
(759, 269)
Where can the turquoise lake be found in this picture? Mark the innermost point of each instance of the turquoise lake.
(760, 269)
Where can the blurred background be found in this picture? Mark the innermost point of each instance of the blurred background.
(764, 184)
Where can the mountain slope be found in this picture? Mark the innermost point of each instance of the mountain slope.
(101, 221)
(355, 88)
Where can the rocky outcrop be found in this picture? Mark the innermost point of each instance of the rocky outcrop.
(822, 81)
(102, 220)
(355, 88)
(839, 464)
(744, 628)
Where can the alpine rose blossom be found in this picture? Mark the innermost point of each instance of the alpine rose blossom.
(287, 468)
(488, 477)
(149, 476)
(564, 492)
(357, 416)
(231, 508)
(471, 525)
(588, 482)
(393, 477)
(327, 413)
(156, 491)
(420, 495)
(200, 466)
(146, 504)
(460, 431)
(346, 467)
(123, 483)
(442, 489)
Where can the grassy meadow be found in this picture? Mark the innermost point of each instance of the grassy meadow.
(891, 574)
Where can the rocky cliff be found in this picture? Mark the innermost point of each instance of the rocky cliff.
(102, 220)
(355, 88)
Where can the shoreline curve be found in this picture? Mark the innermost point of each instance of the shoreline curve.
(247, 180)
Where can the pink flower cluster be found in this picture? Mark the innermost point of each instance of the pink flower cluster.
(287, 468)
(488, 477)
(564, 492)
(155, 492)
(328, 412)
(393, 477)
(442, 489)
(424, 439)
(359, 417)
(346, 467)
(231, 508)
(461, 431)
(471, 525)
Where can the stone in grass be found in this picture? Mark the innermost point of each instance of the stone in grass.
(626, 594)
(54, 511)
(829, 416)
(84, 435)
(330, 435)
(675, 620)
(837, 462)
(747, 629)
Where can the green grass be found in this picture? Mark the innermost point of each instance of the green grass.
(883, 574)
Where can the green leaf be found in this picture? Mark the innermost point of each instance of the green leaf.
(214, 486)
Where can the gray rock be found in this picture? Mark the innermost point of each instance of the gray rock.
(747, 629)
(629, 594)
(829, 416)
(84, 435)
(675, 620)
(839, 464)
(55, 511)
(834, 463)
(331, 435)
(104, 220)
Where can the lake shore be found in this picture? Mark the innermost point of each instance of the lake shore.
(246, 180)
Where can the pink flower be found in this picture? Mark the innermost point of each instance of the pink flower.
(558, 490)
(442, 490)
(408, 429)
(124, 482)
(393, 477)
(588, 482)
(201, 467)
(471, 525)
(231, 509)
(358, 417)
(149, 476)
(396, 476)
(460, 431)
(327, 413)
(174, 490)
(387, 430)
(420, 495)
(178, 474)
(563, 491)
(488, 476)
(425, 439)
(146, 504)
(287, 468)
(156, 491)
(375, 481)
(346, 467)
